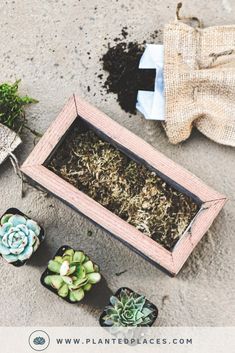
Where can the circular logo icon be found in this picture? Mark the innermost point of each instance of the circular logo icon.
(39, 340)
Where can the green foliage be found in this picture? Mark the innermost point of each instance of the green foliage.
(129, 310)
(12, 112)
(73, 274)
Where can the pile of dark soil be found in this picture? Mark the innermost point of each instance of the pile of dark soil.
(125, 78)
(126, 188)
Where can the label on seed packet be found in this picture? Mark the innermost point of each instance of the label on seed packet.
(151, 104)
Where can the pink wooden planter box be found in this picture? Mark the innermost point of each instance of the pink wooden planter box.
(211, 201)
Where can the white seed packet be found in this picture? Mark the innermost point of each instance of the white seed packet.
(151, 104)
(9, 141)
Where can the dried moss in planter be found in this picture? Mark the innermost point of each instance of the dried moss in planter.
(70, 274)
(128, 309)
(20, 237)
(127, 188)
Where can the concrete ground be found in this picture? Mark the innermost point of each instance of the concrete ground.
(47, 45)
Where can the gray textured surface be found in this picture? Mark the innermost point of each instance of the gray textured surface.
(46, 43)
(9, 141)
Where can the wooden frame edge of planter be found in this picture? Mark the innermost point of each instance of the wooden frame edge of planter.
(34, 169)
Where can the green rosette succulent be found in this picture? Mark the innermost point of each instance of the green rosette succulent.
(19, 237)
(73, 274)
(129, 309)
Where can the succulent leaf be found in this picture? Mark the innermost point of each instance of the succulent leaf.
(87, 287)
(33, 226)
(108, 322)
(96, 268)
(16, 220)
(54, 266)
(5, 218)
(114, 301)
(146, 311)
(64, 269)
(94, 277)
(67, 258)
(89, 267)
(72, 269)
(78, 294)
(4, 250)
(124, 297)
(79, 256)
(26, 254)
(63, 291)
(68, 280)
(58, 259)
(69, 252)
(78, 283)
(80, 271)
(10, 258)
(54, 280)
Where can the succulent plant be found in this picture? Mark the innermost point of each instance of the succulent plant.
(19, 237)
(72, 274)
(128, 309)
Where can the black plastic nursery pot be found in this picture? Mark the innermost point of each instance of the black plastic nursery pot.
(47, 272)
(117, 294)
(16, 211)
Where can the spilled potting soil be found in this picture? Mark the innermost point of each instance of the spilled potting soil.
(125, 78)
(126, 188)
(121, 61)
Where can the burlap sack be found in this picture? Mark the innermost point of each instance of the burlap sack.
(199, 76)
(9, 140)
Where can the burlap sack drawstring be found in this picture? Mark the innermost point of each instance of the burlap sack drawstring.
(199, 77)
(199, 23)
(16, 167)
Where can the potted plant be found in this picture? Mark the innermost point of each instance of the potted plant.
(20, 237)
(12, 118)
(128, 309)
(70, 274)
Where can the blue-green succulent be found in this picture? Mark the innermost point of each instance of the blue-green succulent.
(72, 275)
(19, 237)
(129, 309)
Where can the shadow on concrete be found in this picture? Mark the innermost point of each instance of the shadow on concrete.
(99, 296)
(41, 256)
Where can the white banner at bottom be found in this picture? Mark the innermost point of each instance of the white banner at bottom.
(101, 340)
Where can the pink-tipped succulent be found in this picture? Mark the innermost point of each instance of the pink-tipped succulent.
(72, 275)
